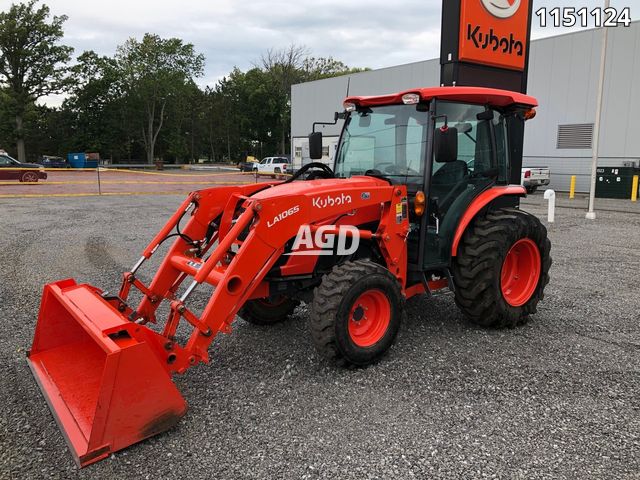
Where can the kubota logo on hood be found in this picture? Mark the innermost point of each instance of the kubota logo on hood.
(330, 201)
(502, 8)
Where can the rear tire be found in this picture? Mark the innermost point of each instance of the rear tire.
(531, 190)
(502, 268)
(356, 313)
(268, 311)
(29, 177)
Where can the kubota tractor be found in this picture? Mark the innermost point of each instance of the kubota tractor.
(418, 201)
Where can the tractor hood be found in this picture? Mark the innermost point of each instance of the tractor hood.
(286, 206)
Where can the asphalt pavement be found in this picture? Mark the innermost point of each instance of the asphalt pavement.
(556, 398)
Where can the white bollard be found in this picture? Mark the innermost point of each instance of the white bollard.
(551, 196)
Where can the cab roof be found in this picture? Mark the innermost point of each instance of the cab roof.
(480, 95)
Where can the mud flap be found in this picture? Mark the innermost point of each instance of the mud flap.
(104, 381)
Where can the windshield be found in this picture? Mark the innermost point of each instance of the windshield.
(390, 141)
(7, 160)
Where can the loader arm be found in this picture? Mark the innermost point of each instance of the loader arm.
(241, 252)
(106, 374)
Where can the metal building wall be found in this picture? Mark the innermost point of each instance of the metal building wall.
(563, 75)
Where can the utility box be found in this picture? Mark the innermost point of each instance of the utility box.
(615, 182)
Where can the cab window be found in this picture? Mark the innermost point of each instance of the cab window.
(476, 126)
(389, 141)
(482, 155)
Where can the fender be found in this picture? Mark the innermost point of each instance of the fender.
(481, 201)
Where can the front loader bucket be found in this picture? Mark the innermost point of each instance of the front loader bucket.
(106, 387)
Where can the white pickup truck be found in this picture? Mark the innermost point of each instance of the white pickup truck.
(272, 166)
(534, 177)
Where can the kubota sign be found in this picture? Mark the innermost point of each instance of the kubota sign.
(494, 32)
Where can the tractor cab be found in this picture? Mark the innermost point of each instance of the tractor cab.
(446, 145)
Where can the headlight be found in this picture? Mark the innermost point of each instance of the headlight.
(349, 106)
(410, 98)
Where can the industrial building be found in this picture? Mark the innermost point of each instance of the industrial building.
(563, 76)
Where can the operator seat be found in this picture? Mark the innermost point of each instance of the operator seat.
(448, 182)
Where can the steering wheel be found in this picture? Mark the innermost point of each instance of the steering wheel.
(326, 171)
(393, 169)
(384, 166)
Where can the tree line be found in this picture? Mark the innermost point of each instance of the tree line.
(144, 102)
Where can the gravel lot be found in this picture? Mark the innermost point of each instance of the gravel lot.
(119, 181)
(557, 398)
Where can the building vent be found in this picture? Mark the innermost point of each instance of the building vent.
(575, 136)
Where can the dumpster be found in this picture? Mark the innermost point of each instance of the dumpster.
(80, 160)
(615, 182)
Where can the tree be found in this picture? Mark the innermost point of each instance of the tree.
(214, 117)
(295, 65)
(96, 106)
(32, 63)
(285, 66)
(155, 70)
(326, 67)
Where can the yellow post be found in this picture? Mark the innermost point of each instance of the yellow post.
(572, 190)
(634, 189)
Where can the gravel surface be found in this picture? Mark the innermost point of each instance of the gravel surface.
(557, 398)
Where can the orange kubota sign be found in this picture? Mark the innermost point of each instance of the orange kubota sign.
(494, 32)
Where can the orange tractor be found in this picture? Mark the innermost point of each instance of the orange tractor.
(418, 201)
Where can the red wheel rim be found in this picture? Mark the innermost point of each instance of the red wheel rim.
(369, 318)
(520, 272)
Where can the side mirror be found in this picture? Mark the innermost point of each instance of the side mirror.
(445, 146)
(364, 121)
(315, 145)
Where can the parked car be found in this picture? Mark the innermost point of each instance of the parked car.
(53, 162)
(12, 169)
(534, 177)
(272, 166)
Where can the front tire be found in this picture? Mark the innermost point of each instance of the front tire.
(356, 313)
(268, 311)
(502, 268)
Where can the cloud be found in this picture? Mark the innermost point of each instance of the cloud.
(361, 33)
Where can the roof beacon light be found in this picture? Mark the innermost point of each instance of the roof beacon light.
(349, 106)
(410, 98)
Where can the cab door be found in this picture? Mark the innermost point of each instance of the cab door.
(477, 160)
(263, 166)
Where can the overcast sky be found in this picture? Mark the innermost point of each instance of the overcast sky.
(361, 33)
